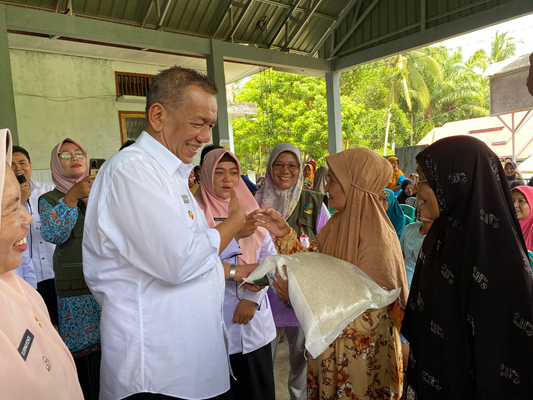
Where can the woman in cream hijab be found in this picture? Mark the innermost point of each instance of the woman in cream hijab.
(34, 362)
(365, 361)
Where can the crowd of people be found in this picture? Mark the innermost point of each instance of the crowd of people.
(139, 269)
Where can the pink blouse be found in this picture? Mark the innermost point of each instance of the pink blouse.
(34, 362)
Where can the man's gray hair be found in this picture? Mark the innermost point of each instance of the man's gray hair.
(169, 87)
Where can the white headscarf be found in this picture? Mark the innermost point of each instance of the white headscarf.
(270, 196)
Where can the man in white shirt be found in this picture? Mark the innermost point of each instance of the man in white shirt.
(39, 251)
(151, 260)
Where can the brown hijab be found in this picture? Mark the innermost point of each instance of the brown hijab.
(362, 234)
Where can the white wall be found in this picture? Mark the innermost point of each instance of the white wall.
(43, 81)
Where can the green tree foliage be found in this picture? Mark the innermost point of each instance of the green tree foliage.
(502, 47)
(422, 89)
(292, 109)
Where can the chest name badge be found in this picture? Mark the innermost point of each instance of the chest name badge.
(191, 214)
(25, 344)
(185, 198)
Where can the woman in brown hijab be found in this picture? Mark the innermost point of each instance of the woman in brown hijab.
(365, 360)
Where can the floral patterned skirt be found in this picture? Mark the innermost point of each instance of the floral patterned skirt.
(79, 323)
(364, 362)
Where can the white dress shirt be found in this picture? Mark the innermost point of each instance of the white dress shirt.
(26, 271)
(261, 329)
(39, 250)
(151, 261)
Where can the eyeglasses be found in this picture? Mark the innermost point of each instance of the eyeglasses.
(280, 166)
(417, 184)
(67, 155)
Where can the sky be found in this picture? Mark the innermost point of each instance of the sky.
(519, 29)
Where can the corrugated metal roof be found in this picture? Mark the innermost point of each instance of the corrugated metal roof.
(379, 21)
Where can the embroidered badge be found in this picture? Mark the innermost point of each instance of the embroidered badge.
(191, 214)
(308, 208)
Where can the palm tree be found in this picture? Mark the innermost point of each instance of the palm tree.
(462, 93)
(502, 47)
(410, 90)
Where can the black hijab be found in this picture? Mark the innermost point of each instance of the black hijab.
(512, 177)
(403, 196)
(469, 317)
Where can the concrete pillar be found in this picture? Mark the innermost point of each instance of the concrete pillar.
(333, 96)
(8, 116)
(215, 69)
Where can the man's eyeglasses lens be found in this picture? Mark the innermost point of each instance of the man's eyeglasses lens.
(291, 167)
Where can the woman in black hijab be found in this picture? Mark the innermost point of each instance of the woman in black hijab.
(407, 191)
(469, 318)
(511, 173)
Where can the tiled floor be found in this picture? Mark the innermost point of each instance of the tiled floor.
(281, 371)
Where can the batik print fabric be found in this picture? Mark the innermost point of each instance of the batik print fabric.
(469, 318)
(79, 323)
(357, 365)
(57, 222)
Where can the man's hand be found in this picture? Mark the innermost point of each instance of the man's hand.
(242, 271)
(234, 207)
(250, 226)
(79, 191)
(282, 286)
(25, 192)
(244, 312)
(274, 222)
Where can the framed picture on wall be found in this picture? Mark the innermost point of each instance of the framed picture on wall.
(132, 123)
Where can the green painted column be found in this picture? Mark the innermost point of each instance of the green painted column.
(215, 69)
(333, 97)
(8, 116)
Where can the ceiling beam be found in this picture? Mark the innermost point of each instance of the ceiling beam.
(149, 9)
(354, 27)
(341, 18)
(237, 22)
(105, 32)
(482, 19)
(303, 21)
(295, 5)
(222, 18)
(162, 15)
(298, 9)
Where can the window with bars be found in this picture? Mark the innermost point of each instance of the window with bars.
(129, 84)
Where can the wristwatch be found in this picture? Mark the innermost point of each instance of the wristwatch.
(232, 269)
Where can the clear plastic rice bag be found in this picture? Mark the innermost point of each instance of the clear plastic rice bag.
(326, 293)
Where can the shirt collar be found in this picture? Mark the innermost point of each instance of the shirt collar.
(161, 154)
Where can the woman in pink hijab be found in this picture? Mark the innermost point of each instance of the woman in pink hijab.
(247, 315)
(34, 361)
(62, 214)
(523, 201)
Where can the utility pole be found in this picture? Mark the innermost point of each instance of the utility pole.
(387, 133)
